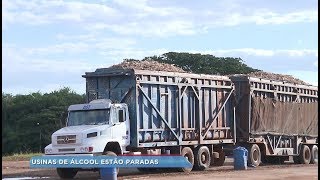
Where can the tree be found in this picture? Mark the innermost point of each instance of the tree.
(22, 113)
(204, 63)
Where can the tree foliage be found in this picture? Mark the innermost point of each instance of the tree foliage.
(26, 117)
(204, 64)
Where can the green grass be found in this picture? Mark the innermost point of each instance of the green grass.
(20, 157)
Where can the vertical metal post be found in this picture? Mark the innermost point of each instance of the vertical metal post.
(179, 115)
(234, 125)
(249, 115)
(38, 124)
(40, 149)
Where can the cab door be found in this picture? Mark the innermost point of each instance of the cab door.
(119, 129)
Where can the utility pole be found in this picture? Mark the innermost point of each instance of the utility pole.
(38, 124)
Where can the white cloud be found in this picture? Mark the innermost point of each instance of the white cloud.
(149, 28)
(88, 44)
(259, 52)
(146, 18)
(113, 43)
(41, 12)
(59, 48)
(143, 9)
(270, 17)
(316, 63)
(23, 73)
(81, 37)
(16, 61)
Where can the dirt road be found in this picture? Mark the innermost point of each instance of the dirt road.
(20, 170)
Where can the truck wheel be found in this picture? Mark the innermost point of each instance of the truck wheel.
(314, 155)
(218, 161)
(110, 153)
(254, 155)
(67, 173)
(202, 158)
(188, 154)
(305, 155)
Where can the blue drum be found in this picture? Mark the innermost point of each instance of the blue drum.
(240, 157)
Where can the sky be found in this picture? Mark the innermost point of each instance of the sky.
(48, 45)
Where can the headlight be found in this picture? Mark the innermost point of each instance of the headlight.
(48, 151)
(90, 135)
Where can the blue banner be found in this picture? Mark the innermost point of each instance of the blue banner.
(109, 161)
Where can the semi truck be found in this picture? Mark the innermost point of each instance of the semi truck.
(201, 117)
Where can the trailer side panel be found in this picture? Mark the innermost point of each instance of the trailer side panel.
(167, 108)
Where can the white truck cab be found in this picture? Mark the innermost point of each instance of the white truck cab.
(92, 129)
(99, 127)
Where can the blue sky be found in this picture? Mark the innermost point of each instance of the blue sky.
(48, 45)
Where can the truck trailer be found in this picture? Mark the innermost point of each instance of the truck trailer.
(197, 116)
(276, 120)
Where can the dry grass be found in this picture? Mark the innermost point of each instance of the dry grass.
(20, 157)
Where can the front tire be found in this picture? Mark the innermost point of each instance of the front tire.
(202, 158)
(67, 173)
(254, 155)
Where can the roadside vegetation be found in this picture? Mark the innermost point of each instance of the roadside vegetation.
(20, 157)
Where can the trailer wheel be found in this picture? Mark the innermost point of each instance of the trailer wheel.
(218, 161)
(111, 153)
(314, 155)
(254, 155)
(202, 158)
(67, 173)
(305, 155)
(188, 154)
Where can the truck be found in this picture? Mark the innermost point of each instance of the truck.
(201, 117)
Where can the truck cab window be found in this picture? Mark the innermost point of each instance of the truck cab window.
(121, 116)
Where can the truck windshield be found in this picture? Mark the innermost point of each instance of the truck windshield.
(89, 117)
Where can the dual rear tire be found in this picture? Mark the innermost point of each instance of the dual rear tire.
(314, 155)
(200, 159)
(307, 155)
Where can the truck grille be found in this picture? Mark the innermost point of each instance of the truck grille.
(69, 139)
(67, 150)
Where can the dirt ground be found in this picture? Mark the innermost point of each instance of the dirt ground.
(12, 170)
